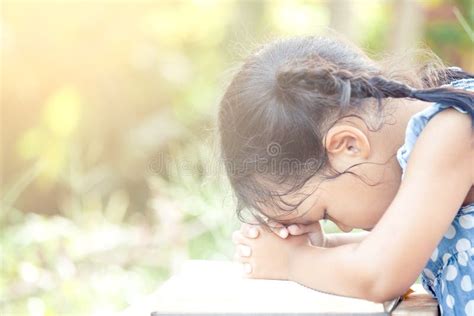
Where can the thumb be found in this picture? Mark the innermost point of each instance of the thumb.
(317, 239)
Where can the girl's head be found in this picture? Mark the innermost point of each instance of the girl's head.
(298, 115)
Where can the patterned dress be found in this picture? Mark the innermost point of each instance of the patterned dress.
(449, 274)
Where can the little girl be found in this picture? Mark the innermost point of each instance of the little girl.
(312, 129)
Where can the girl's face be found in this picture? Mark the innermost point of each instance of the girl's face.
(351, 201)
(346, 200)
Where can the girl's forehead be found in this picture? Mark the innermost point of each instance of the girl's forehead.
(291, 210)
(277, 210)
(294, 218)
(285, 205)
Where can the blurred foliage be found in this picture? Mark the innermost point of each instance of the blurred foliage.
(110, 171)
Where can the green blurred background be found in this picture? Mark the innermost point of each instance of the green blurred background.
(110, 175)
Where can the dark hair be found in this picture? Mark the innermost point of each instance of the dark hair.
(288, 93)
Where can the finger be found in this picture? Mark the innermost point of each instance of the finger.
(246, 268)
(238, 258)
(295, 229)
(299, 229)
(244, 250)
(245, 265)
(238, 238)
(249, 231)
(317, 239)
(278, 228)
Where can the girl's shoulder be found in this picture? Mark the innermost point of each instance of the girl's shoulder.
(418, 121)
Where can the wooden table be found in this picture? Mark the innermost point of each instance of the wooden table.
(217, 288)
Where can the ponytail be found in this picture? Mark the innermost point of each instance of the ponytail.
(461, 98)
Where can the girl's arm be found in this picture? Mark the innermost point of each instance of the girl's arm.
(388, 261)
(319, 238)
(339, 239)
(338, 270)
(438, 177)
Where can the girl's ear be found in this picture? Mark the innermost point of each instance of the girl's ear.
(348, 141)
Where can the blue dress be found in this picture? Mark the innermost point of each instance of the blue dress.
(449, 274)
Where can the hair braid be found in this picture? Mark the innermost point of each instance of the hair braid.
(316, 73)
